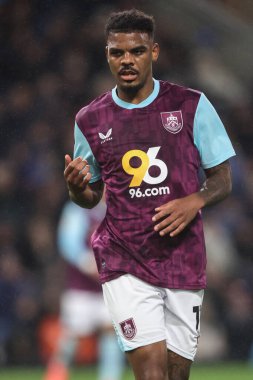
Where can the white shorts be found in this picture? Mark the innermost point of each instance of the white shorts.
(143, 314)
(82, 312)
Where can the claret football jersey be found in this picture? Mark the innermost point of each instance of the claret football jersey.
(148, 154)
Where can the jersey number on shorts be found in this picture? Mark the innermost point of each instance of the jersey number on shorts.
(196, 309)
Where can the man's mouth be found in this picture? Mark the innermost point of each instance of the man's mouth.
(128, 75)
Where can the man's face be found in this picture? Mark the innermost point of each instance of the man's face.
(130, 57)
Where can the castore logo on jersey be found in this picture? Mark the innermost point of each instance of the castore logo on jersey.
(106, 137)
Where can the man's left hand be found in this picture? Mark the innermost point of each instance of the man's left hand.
(174, 216)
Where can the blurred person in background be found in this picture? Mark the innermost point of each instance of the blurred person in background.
(82, 308)
(150, 248)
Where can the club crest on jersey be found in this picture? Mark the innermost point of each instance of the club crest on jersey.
(128, 328)
(106, 137)
(172, 121)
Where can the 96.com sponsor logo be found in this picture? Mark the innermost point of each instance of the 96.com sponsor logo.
(154, 191)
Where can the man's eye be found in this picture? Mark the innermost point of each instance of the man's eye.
(138, 51)
(116, 53)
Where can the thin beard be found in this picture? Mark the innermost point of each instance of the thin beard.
(132, 90)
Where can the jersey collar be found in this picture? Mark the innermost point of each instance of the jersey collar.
(144, 103)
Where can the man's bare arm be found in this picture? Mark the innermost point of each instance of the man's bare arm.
(90, 197)
(218, 184)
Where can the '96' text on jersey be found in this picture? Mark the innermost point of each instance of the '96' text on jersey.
(141, 173)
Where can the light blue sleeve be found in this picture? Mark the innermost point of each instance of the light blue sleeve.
(83, 149)
(210, 136)
(72, 230)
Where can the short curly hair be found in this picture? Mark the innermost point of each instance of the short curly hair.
(127, 21)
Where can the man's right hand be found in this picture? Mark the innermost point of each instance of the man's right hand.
(77, 174)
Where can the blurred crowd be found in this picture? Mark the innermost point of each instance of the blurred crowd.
(52, 63)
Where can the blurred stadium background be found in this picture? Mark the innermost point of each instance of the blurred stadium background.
(52, 63)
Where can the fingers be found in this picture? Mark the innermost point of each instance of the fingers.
(161, 214)
(179, 229)
(67, 160)
(77, 172)
(163, 211)
(173, 224)
(174, 216)
(74, 167)
(170, 226)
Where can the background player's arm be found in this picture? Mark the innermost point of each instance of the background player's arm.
(178, 213)
(73, 238)
(77, 176)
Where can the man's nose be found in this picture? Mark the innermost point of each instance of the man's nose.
(127, 58)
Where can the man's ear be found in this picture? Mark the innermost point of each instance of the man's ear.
(155, 52)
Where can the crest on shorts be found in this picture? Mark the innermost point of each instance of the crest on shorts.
(128, 328)
(172, 121)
